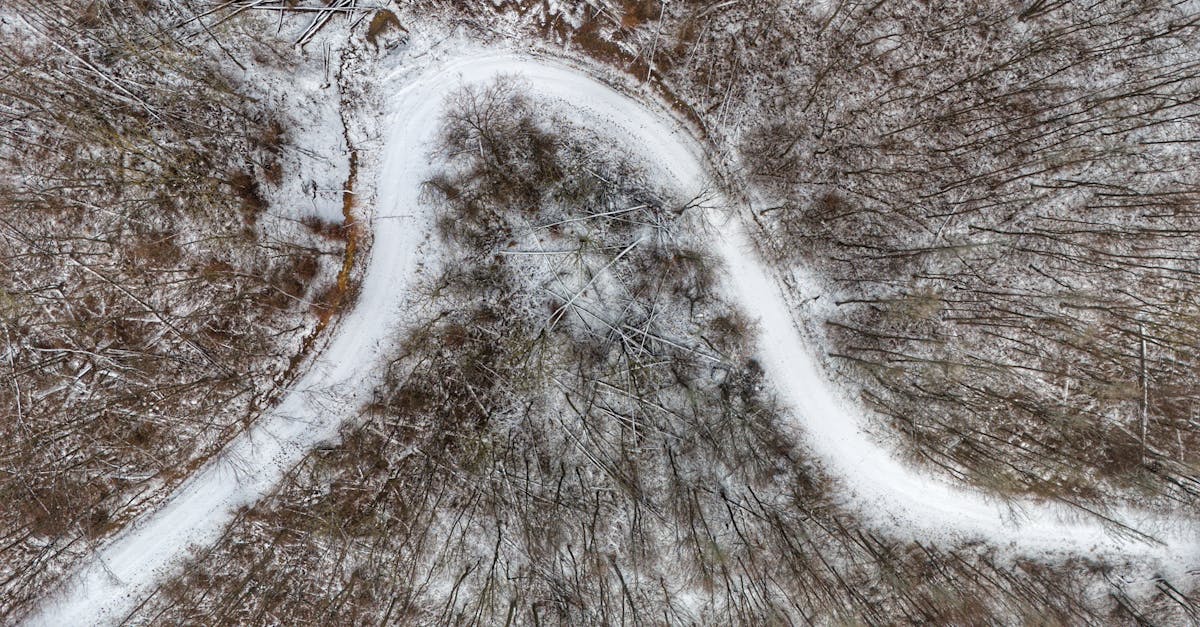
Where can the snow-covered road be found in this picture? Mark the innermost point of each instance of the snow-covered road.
(886, 493)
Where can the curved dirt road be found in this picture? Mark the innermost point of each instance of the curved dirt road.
(887, 494)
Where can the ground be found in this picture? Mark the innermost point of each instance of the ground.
(600, 346)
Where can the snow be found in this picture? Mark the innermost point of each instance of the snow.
(886, 493)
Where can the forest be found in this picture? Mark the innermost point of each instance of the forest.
(983, 215)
